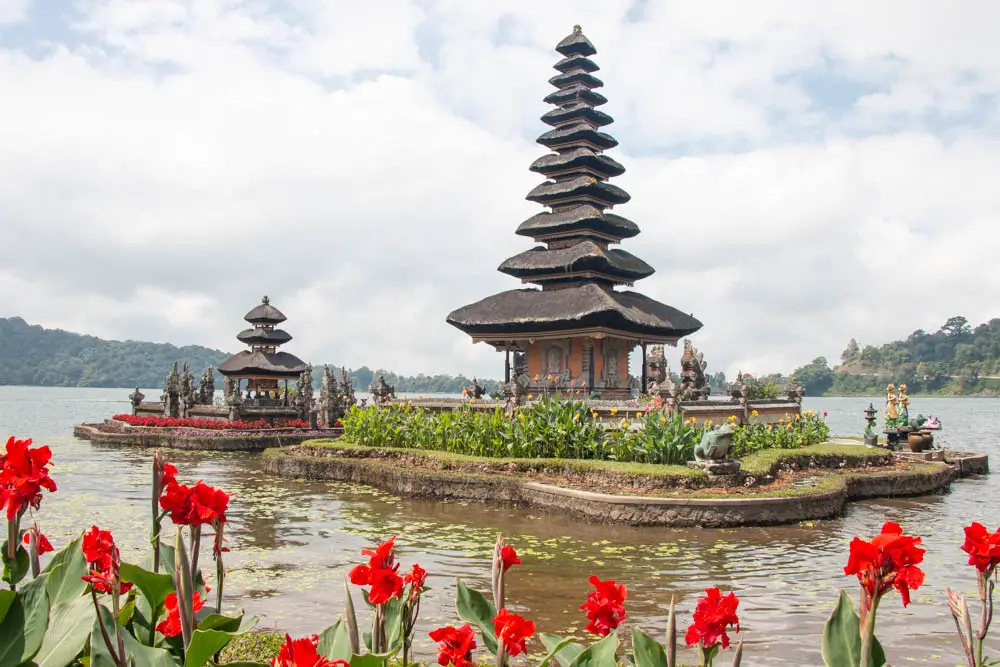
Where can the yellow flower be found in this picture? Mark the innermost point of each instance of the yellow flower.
(594, 414)
(663, 420)
(770, 426)
(471, 401)
(811, 412)
(614, 411)
(638, 415)
(576, 416)
(708, 422)
(625, 424)
(754, 414)
(781, 421)
(530, 397)
(549, 378)
(520, 416)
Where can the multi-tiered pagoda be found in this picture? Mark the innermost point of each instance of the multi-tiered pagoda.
(577, 329)
(263, 365)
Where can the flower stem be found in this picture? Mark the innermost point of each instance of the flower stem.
(195, 548)
(104, 630)
(868, 637)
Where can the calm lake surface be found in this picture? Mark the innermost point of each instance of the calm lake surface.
(293, 542)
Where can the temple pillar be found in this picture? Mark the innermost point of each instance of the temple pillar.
(645, 378)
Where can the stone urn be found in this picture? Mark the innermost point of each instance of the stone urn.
(920, 441)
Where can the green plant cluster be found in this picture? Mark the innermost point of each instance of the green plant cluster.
(561, 429)
(796, 432)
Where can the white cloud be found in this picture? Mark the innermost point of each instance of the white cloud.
(12, 11)
(367, 169)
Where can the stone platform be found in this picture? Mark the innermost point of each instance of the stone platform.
(123, 435)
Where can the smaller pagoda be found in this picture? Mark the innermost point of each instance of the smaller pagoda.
(263, 366)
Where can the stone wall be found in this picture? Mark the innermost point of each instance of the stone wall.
(131, 436)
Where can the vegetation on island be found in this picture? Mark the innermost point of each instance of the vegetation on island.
(88, 607)
(33, 356)
(556, 428)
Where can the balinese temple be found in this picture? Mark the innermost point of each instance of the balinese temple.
(263, 366)
(575, 326)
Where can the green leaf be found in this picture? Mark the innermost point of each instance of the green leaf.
(393, 625)
(6, 600)
(154, 587)
(599, 654)
(14, 570)
(351, 619)
(127, 610)
(368, 660)
(475, 609)
(70, 624)
(234, 625)
(335, 642)
(564, 655)
(143, 655)
(24, 626)
(551, 655)
(205, 644)
(842, 637)
(65, 583)
(648, 651)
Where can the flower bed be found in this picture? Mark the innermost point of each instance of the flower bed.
(210, 424)
(566, 429)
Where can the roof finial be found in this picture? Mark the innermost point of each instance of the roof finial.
(577, 28)
(265, 300)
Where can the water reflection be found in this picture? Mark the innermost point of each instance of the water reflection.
(293, 541)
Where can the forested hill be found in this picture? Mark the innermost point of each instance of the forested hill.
(956, 359)
(31, 355)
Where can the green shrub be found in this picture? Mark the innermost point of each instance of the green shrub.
(798, 431)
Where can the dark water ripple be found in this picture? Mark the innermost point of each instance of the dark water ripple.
(293, 541)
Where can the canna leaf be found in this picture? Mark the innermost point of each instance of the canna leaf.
(648, 652)
(475, 609)
(842, 637)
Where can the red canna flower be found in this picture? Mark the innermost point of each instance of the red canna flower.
(171, 625)
(194, 505)
(105, 563)
(24, 472)
(509, 557)
(456, 645)
(302, 652)
(889, 560)
(513, 631)
(605, 607)
(983, 547)
(380, 573)
(713, 614)
(416, 576)
(44, 546)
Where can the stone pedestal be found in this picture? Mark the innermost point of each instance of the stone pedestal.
(871, 440)
(716, 467)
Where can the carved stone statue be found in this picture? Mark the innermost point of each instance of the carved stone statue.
(330, 409)
(738, 390)
(656, 370)
(135, 398)
(694, 385)
(715, 444)
(475, 390)
(347, 398)
(171, 394)
(206, 387)
(304, 393)
(382, 393)
(795, 391)
(891, 408)
(903, 399)
(234, 400)
(515, 392)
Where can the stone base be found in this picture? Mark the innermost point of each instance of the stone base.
(716, 467)
(871, 440)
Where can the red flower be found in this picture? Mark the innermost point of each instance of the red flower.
(101, 553)
(416, 576)
(605, 606)
(380, 573)
(456, 645)
(712, 616)
(194, 505)
(513, 631)
(171, 625)
(302, 653)
(44, 546)
(509, 557)
(889, 560)
(24, 472)
(982, 546)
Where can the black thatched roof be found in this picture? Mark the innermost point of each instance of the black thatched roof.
(264, 336)
(575, 44)
(579, 219)
(578, 158)
(580, 133)
(261, 364)
(578, 78)
(576, 62)
(575, 93)
(579, 187)
(588, 305)
(265, 313)
(575, 113)
(580, 257)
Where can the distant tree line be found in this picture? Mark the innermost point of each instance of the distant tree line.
(33, 356)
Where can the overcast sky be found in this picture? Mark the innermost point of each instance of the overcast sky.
(802, 172)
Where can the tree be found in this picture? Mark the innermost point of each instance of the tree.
(956, 326)
(851, 352)
(816, 377)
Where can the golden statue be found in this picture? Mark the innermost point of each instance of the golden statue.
(891, 407)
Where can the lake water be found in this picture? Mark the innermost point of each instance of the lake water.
(293, 541)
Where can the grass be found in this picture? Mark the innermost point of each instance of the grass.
(766, 462)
